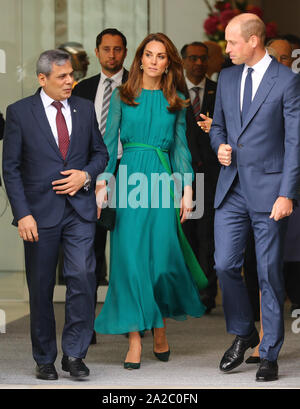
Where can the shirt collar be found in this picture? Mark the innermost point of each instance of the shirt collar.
(47, 101)
(117, 78)
(190, 85)
(261, 66)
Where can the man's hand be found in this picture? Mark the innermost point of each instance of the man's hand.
(71, 184)
(224, 154)
(27, 228)
(205, 125)
(282, 207)
(101, 196)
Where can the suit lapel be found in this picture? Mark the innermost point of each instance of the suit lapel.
(208, 98)
(237, 91)
(263, 90)
(42, 120)
(75, 127)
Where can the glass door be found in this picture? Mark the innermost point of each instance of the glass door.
(28, 27)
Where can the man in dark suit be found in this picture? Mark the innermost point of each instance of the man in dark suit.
(201, 91)
(256, 135)
(52, 154)
(111, 52)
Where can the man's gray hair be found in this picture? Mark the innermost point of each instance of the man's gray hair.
(50, 57)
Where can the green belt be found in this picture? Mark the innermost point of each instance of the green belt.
(187, 251)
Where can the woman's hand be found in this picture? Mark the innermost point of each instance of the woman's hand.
(186, 204)
(205, 125)
(101, 196)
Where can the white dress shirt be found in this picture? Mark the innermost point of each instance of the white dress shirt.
(192, 93)
(51, 112)
(259, 70)
(116, 82)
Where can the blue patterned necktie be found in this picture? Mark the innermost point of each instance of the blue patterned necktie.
(247, 99)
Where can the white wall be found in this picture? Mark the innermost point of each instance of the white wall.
(181, 20)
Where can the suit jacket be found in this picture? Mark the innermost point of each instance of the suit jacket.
(266, 148)
(198, 140)
(32, 160)
(88, 88)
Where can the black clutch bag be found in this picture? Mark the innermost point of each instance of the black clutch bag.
(107, 218)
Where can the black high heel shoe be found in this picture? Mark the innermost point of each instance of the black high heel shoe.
(132, 365)
(162, 356)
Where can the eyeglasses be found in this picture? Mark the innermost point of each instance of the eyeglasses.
(284, 58)
(194, 58)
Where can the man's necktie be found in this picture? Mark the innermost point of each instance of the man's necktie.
(247, 99)
(196, 103)
(62, 130)
(105, 104)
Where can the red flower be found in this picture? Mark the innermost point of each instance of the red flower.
(271, 30)
(211, 24)
(227, 15)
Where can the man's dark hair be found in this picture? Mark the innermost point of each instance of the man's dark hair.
(113, 32)
(197, 43)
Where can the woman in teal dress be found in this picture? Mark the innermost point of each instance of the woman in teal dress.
(149, 276)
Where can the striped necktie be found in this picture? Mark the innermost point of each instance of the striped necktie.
(196, 103)
(105, 104)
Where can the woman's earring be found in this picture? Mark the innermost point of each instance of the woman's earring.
(141, 67)
(166, 70)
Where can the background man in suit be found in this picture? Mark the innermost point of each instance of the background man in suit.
(215, 60)
(111, 52)
(202, 92)
(256, 134)
(52, 154)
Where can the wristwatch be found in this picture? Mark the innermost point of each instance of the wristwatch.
(87, 182)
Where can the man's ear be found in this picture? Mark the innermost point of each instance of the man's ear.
(253, 41)
(42, 79)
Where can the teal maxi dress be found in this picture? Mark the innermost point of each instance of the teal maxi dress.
(149, 278)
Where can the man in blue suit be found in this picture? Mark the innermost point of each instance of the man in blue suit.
(256, 135)
(52, 154)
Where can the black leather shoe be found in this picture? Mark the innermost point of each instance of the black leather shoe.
(47, 372)
(267, 371)
(234, 355)
(75, 366)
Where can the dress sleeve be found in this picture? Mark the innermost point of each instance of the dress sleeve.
(180, 156)
(111, 135)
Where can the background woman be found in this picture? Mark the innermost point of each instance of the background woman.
(149, 278)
